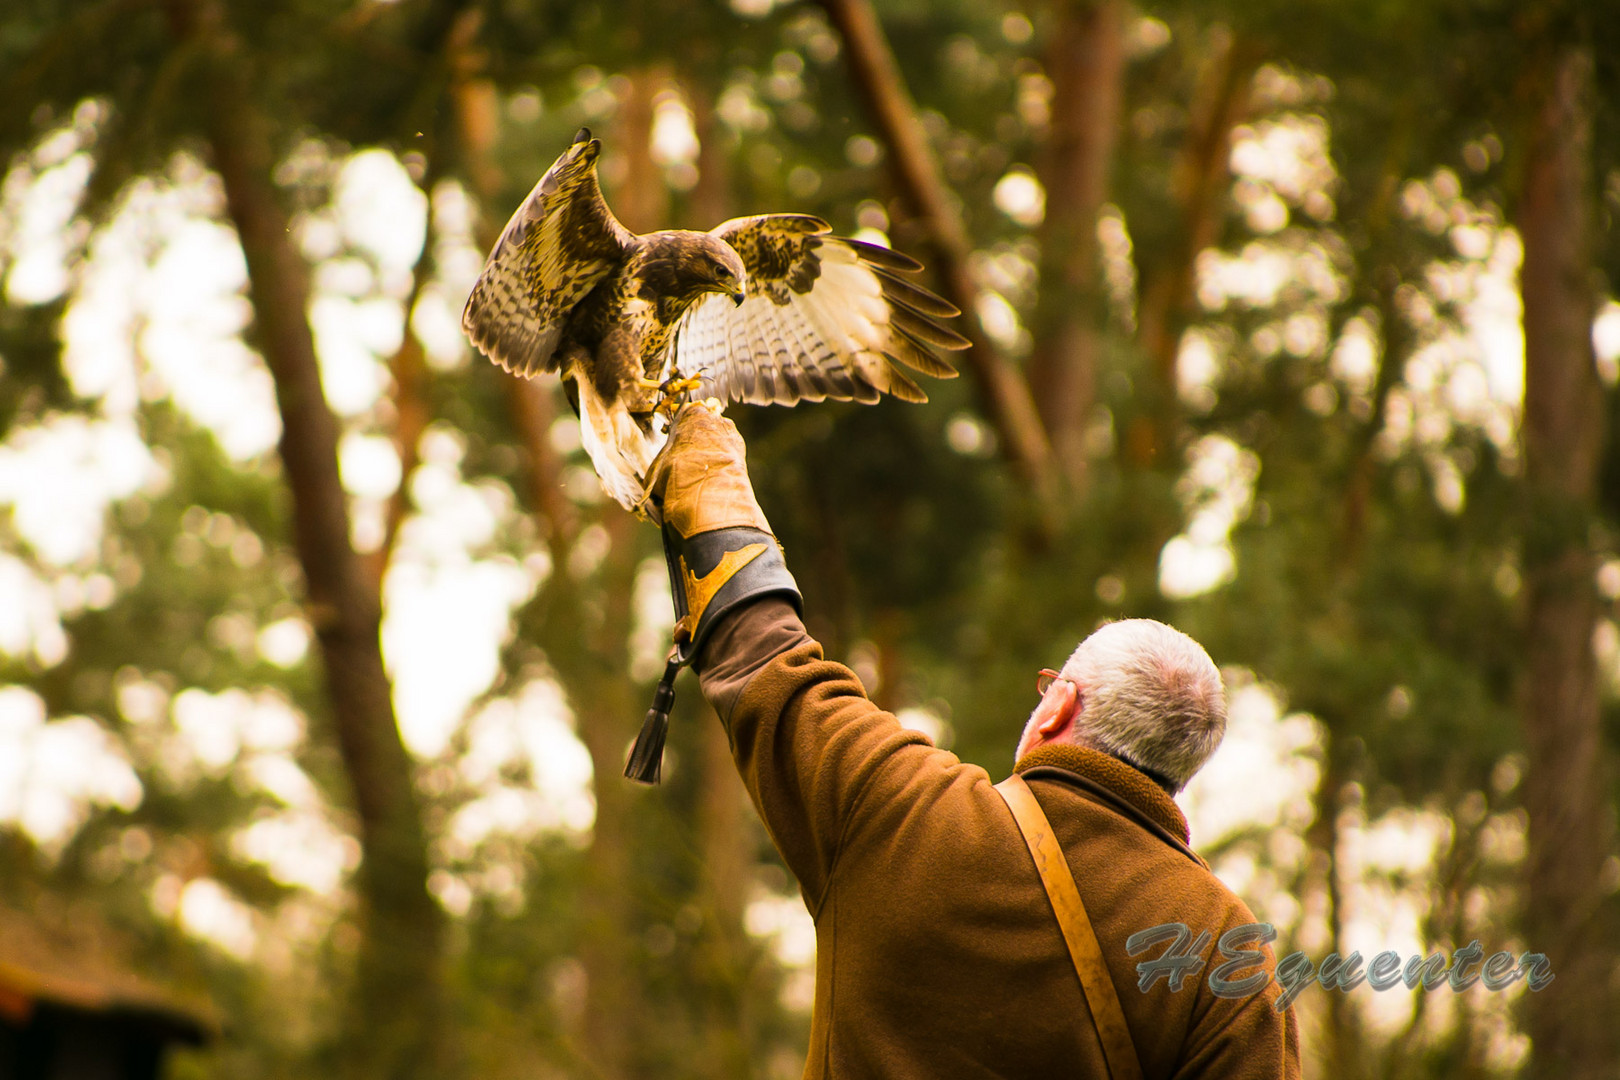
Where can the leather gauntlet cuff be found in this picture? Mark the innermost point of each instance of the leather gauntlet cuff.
(713, 572)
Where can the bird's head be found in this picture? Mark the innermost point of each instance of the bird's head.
(723, 270)
(684, 266)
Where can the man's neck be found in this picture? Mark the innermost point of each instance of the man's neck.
(1125, 781)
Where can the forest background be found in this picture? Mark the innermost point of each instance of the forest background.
(320, 650)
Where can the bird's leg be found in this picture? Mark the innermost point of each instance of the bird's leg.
(643, 395)
(673, 390)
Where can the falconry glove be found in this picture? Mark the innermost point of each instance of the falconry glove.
(719, 548)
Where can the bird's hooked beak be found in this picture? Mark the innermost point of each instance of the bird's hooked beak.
(738, 297)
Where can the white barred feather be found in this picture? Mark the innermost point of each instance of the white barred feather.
(818, 321)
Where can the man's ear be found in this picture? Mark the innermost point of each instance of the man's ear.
(1057, 709)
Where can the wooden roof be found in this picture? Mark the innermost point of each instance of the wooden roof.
(68, 957)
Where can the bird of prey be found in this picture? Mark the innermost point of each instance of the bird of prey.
(770, 309)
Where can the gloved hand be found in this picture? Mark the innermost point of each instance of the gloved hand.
(719, 547)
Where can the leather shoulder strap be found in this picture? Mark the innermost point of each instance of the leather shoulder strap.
(1076, 926)
(1109, 800)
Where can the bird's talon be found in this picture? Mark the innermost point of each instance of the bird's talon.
(673, 386)
(671, 393)
(646, 509)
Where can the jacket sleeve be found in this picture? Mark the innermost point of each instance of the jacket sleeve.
(806, 738)
(1251, 1042)
(1243, 1038)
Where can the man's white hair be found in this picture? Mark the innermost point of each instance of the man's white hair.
(1152, 696)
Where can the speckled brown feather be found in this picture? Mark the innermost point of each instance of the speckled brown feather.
(556, 248)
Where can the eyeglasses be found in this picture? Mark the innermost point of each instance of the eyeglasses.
(1044, 681)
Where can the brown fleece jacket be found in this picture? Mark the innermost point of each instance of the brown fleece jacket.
(937, 953)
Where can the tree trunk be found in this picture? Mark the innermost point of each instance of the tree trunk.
(1198, 185)
(599, 687)
(709, 202)
(640, 196)
(412, 409)
(597, 679)
(1002, 388)
(1571, 1023)
(1324, 874)
(724, 840)
(394, 1030)
(585, 635)
(725, 834)
(530, 403)
(1086, 62)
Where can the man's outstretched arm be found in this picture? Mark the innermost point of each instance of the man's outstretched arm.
(806, 738)
(804, 734)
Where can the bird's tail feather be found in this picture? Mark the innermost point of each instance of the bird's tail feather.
(618, 448)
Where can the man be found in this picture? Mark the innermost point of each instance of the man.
(938, 950)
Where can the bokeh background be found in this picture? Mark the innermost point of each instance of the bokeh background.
(320, 650)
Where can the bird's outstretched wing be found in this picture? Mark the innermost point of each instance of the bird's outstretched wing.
(559, 244)
(824, 317)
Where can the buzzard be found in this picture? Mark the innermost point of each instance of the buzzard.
(770, 309)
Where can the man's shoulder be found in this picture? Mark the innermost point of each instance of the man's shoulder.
(1153, 902)
(1168, 829)
(1131, 858)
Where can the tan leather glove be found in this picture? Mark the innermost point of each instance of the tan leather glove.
(719, 546)
(699, 480)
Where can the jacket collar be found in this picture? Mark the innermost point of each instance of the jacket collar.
(1124, 782)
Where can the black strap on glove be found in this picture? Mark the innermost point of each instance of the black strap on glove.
(710, 574)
